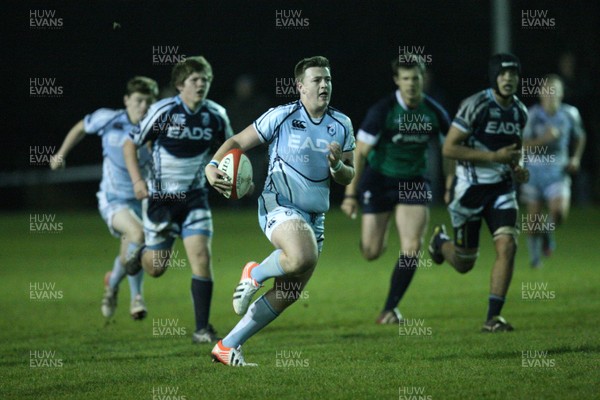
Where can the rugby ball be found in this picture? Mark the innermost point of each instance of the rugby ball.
(238, 168)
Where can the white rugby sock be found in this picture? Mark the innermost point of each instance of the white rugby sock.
(135, 283)
(117, 273)
(269, 268)
(259, 314)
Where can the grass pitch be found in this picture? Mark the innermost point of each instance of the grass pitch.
(56, 345)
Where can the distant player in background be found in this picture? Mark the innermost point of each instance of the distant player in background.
(184, 130)
(310, 144)
(552, 128)
(485, 139)
(391, 160)
(116, 200)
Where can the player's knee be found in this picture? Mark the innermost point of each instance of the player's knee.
(200, 260)
(134, 235)
(505, 242)
(411, 248)
(370, 252)
(155, 262)
(137, 236)
(464, 262)
(464, 266)
(301, 262)
(155, 271)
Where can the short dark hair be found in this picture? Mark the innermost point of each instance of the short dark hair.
(306, 63)
(408, 61)
(143, 85)
(182, 70)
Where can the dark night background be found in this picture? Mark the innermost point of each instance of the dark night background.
(92, 61)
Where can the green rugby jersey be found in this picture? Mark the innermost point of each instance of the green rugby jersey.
(399, 135)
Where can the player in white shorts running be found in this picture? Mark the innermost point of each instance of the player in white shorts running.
(310, 144)
(552, 129)
(116, 201)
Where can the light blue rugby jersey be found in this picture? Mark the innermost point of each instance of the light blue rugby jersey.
(298, 167)
(113, 127)
(182, 142)
(553, 157)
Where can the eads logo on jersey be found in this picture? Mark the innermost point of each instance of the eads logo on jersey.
(176, 127)
(500, 127)
(298, 142)
(503, 127)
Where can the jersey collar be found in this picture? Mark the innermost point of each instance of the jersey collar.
(311, 119)
(400, 101)
(187, 109)
(490, 94)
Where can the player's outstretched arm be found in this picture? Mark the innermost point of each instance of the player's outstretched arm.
(454, 149)
(350, 202)
(133, 167)
(245, 140)
(74, 136)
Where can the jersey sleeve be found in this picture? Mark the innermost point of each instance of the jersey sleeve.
(442, 117)
(225, 130)
(523, 114)
(266, 125)
(144, 132)
(371, 127)
(94, 123)
(577, 130)
(349, 142)
(467, 113)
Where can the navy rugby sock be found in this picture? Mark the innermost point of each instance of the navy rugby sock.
(403, 273)
(201, 297)
(495, 306)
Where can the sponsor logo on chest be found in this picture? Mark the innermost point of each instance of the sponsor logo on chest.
(503, 126)
(178, 128)
(300, 142)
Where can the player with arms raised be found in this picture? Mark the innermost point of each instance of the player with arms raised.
(183, 130)
(310, 144)
(485, 139)
(391, 160)
(116, 201)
